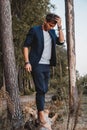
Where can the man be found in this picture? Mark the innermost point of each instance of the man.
(42, 41)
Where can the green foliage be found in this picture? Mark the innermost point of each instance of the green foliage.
(82, 84)
(59, 75)
(25, 14)
(60, 72)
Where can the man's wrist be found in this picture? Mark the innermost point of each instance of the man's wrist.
(27, 62)
(59, 28)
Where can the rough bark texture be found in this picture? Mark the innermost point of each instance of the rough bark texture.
(70, 36)
(10, 72)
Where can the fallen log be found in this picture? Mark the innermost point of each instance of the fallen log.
(34, 124)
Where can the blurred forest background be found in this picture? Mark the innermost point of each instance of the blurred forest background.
(26, 14)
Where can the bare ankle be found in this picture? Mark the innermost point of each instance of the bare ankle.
(41, 116)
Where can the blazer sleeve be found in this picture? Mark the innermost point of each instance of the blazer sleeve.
(29, 38)
(57, 40)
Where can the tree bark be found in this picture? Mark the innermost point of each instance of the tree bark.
(70, 38)
(10, 71)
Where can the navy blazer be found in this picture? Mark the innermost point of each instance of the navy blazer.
(35, 40)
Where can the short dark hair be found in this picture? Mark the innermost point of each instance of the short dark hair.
(51, 17)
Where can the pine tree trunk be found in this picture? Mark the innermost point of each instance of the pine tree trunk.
(20, 80)
(60, 70)
(73, 94)
(70, 36)
(10, 72)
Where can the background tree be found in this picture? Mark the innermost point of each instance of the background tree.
(1, 68)
(70, 35)
(10, 72)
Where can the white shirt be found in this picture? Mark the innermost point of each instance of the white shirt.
(46, 55)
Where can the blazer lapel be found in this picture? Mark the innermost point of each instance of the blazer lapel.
(52, 36)
(41, 35)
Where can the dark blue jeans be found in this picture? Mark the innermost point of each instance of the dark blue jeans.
(41, 77)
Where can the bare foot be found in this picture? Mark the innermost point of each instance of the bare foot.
(41, 117)
(46, 125)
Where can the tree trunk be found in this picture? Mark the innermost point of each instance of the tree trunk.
(70, 35)
(60, 70)
(10, 71)
(20, 79)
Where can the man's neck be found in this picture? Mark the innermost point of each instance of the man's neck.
(44, 28)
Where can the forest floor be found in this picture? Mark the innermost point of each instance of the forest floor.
(60, 107)
(54, 106)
